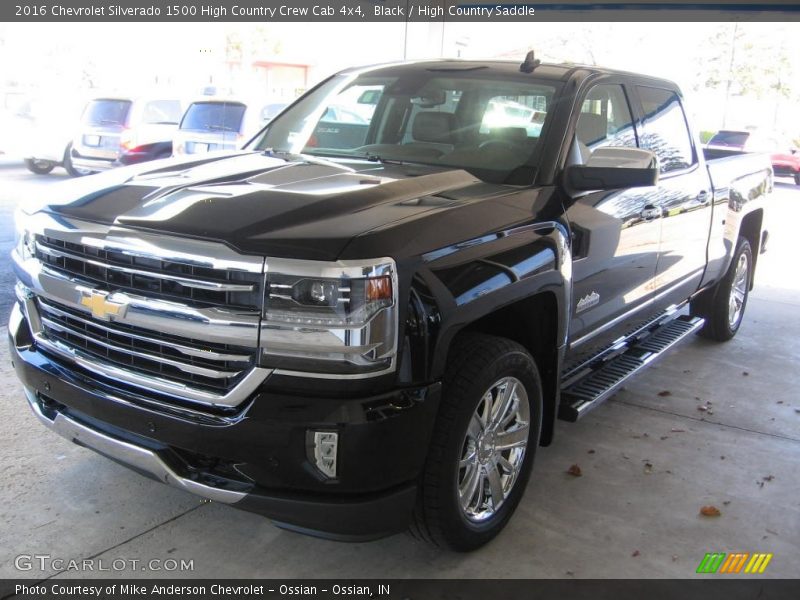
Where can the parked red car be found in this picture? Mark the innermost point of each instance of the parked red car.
(787, 164)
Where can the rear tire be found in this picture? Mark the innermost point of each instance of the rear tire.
(797, 178)
(484, 442)
(723, 305)
(40, 167)
(71, 169)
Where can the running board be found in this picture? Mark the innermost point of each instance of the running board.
(591, 390)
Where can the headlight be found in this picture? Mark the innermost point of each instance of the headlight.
(330, 318)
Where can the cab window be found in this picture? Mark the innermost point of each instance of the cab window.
(665, 129)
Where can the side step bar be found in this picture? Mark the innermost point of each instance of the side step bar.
(591, 390)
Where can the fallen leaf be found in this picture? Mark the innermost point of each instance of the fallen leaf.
(674, 558)
(687, 370)
(664, 437)
(710, 511)
(635, 553)
(673, 430)
(590, 452)
(648, 468)
(575, 471)
(722, 458)
(768, 478)
(779, 402)
(702, 408)
(726, 502)
(665, 393)
(745, 373)
(570, 573)
(797, 410)
(772, 532)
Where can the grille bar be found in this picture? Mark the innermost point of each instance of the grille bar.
(188, 368)
(188, 350)
(172, 279)
(200, 284)
(190, 363)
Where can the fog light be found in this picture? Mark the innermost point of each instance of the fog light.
(325, 447)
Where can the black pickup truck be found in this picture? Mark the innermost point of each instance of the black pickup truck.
(371, 317)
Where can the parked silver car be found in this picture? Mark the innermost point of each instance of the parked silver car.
(123, 130)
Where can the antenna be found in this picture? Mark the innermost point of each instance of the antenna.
(530, 63)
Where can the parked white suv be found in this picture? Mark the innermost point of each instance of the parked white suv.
(214, 124)
(119, 130)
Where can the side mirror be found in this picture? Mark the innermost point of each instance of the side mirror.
(613, 168)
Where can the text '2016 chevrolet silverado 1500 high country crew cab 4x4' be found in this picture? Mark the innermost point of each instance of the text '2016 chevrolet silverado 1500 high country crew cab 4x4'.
(357, 326)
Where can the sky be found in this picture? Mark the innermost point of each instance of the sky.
(185, 57)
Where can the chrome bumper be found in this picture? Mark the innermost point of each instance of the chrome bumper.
(136, 457)
(94, 164)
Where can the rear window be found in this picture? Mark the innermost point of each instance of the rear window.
(214, 116)
(107, 112)
(734, 139)
(162, 112)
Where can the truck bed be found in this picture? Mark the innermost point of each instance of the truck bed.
(729, 167)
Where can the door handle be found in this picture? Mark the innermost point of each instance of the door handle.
(703, 196)
(650, 212)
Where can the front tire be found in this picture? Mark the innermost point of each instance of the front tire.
(483, 444)
(40, 167)
(723, 305)
(797, 178)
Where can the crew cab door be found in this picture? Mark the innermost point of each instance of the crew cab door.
(683, 197)
(615, 232)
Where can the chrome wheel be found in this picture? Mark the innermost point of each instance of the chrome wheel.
(494, 449)
(738, 292)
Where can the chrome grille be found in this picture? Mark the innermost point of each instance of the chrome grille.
(201, 365)
(117, 270)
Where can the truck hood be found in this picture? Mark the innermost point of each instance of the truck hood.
(299, 207)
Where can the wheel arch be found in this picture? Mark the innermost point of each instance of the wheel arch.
(533, 323)
(750, 229)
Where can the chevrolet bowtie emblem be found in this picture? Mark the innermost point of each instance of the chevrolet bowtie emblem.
(100, 305)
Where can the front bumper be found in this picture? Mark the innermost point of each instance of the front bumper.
(257, 459)
(94, 163)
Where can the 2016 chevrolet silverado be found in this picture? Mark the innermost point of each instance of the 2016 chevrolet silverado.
(357, 325)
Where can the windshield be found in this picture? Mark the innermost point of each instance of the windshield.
(214, 116)
(486, 125)
(107, 112)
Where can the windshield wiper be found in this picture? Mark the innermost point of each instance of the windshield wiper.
(384, 161)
